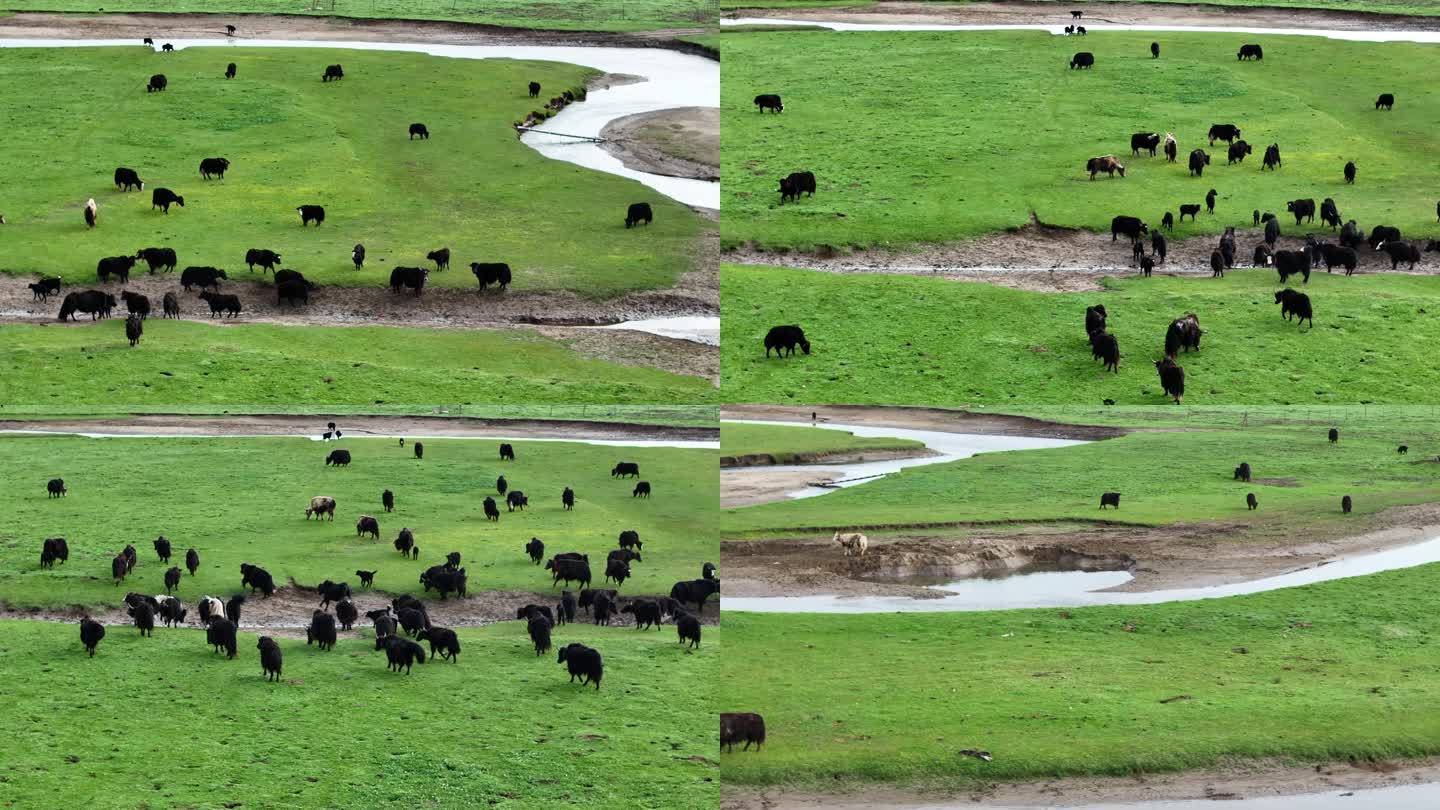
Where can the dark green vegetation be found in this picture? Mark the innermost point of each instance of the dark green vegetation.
(293, 140)
(190, 366)
(786, 444)
(933, 137)
(1323, 672)
(585, 15)
(902, 340)
(243, 500)
(1164, 477)
(187, 728)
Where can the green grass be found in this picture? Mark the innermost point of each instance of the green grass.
(583, 15)
(1307, 476)
(243, 500)
(936, 342)
(904, 156)
(263, 368)
(1416, 7)
(164, 722)
(1327, 672)
(787, 444)
(292, 140)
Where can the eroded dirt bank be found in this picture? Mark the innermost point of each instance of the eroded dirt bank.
(952, 421)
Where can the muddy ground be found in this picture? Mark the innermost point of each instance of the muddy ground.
(1046, 258)
(423, 427)
(752, 489)
(953, 421)
(1097, 14)
(1182, 555)
(287, 612)
(1243, 779)
(683, 142)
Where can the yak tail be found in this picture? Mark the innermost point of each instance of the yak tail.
(67, 309)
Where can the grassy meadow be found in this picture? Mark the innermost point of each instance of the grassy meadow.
(265, 368)
(787, 444)
(937, 342)
(1324, 672)
(934, 137)
(243, 500)
(1412, 7)
(294, 140)
(165, 722)
(1297, 476)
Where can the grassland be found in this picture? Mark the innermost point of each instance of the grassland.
(293, 140)
(905, 156)
(263, 368)
(942, 343)
(1317, 673)
(1412, 7)
(500, 728)
(787, 444)
(1297, 475)
(243, 500)
(583, 15)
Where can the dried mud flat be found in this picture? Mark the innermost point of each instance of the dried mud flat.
(1237, 779)
(633, 140)
(1053, 13)
(1182, 555)
(952, 421)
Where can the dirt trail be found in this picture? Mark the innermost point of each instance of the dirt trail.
(952, 421)
(1240, 779)
(362, 426)
(1097, 14)
(1046, 258)
(683, 142)
(1181, 555)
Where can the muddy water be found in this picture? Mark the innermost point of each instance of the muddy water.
(672, 80)
(696, 329)
(1059, 30)
(946, 446)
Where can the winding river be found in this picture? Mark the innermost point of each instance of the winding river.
(1059, 30)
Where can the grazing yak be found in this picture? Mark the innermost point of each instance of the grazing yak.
(220, 635)
(1334, 435)
(1400, 252)
(1350, 172)
(163, 198)
(1172, 378)
(357, 255)
(202, 277)
(687, 629)
(420, 131)
(638, 213)
(1248, 52)
(257, 578)
(157, 258)
(400, 652)
(1378, 235)
(1334, 255)
(536, 549)
(232, 608)
(367, 578)
(745, 727)
(443, 643)
(192, 561)
(54, 548)
(267, 259)
(625, 469)
(368, 525)
(1304, 210)
(293, 292)
(1386, 101)
(1106, 347)
(333, 73)
(567, 499)
(172, 579)
(487, 273)
(91, 634)
(568, 570)
(230, 71)
(1223, 132)
(346, 613)
(1199, 159)
(118, 266)
(853, 544)
(646, 613)
(1108, 164)
(584, 662)
(1329, 213)
(126, 179)
(515, 499)
(587, 597)
(1109, 499)
(1083, 60)
(338, 458)
(221, 304)
(94, 302)
(1242, 473)
(626, 554)
(1237, 152)
(1171, 147)
(795, 184)
(1190, 209)
(617, 571)
(695, 590)
(1154, 50)
(539, 629)
(629, 538)
(311, 213)
(134, 328)
(1183, 334)
(1167, 221)
(1272, 232)
(1292, 262)
(45, 287)
(1148, 141)
(1129, 226)
(784, 339)
(215, 167)
(321, 631)
(1263, 257)
(507, 452)
(331, 591)
(642, 490)
(534, 89)
(440, 257)
(769, 101)
(1346, 504)
(1095, 319)
(1272, 157)
(1295, 304)
(157, 83)
(492, 511)
(412, 277)
(1251, 502)
(270, 658)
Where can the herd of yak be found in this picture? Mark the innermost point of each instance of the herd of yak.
(291, 286)
(405, 621)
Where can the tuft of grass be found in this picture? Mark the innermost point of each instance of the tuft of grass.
(903, 155)
(243, 500)
(294, 140)
(499, 727)
(903, 340)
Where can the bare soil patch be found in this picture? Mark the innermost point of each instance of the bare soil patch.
(951, 421)
(682, 142)
(843, 457)
(752, 488)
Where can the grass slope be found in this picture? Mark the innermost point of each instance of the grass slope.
(500, 728)
(243, 500)
(788, 443)
(294, 140)
(942, 343)
(584, 15)
(903, 155)
(1307, 476)
(193, 366)
(1322, 672)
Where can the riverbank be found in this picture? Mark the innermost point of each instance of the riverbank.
(682, 142)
